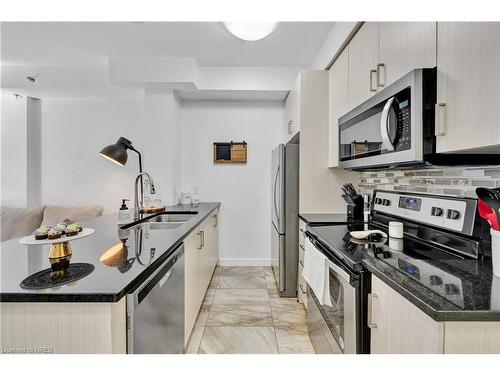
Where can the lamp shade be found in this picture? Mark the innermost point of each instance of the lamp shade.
(117, 152)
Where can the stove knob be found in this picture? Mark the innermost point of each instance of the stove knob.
(435, 280)
(386, 202)
(378, 200)
(452, 214)
(436, 211)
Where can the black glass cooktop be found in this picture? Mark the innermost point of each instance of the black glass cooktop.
(459, 280)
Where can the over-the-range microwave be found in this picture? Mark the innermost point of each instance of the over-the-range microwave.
(395, 129)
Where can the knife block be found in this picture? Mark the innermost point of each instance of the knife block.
(355, 210)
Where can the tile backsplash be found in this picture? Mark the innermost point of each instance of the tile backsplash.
(460, 182)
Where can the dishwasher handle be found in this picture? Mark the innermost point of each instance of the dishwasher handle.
(157, 279)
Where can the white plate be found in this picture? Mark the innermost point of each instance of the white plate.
(30, 240)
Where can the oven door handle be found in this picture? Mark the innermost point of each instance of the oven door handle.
(384, 125)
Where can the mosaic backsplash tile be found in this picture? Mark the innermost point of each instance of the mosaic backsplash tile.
(460, 182)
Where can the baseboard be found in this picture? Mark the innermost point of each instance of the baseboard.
(244, 262)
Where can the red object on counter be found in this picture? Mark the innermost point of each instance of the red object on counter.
(487, 213)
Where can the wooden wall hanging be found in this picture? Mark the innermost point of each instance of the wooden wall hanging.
(230, 152)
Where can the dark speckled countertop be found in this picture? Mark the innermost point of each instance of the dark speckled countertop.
(407, 267)
(105, 283)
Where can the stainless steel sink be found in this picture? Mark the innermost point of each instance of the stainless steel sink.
(170, 220)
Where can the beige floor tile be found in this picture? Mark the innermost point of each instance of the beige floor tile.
(268, 271)
(195, 340)
(287, 312)
(294, 340)
(213, 282)
(235, 297)
(202, 318)
(242, 282)
(238, 340)
(240, 316)
(242, 271)
(209, 296)
(218, 271)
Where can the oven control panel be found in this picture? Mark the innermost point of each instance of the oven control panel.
(451, 213)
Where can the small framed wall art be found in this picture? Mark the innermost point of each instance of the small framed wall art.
(230, 152)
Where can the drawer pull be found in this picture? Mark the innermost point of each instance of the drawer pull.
(371, 297)
(302, 247)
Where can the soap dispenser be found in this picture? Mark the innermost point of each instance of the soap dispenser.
(124, 213)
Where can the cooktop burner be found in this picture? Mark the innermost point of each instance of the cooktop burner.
(43, 279)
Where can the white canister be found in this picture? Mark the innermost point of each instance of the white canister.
(495, 251)
(396, 229)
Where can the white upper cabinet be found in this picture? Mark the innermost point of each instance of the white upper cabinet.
(405, 46)
(363, 60)
(292, 111)
(338, 102)
(468, 87)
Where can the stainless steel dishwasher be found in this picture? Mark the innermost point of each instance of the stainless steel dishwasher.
(155, 310)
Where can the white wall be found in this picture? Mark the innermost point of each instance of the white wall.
(74, 131)
(14, 151)
(244, 190)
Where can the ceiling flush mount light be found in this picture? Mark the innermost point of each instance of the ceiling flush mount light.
(250, 31)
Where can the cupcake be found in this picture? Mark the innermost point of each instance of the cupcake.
(61, 227)
(72, 230)
(54, 234)
(41, 233)
(78, 225)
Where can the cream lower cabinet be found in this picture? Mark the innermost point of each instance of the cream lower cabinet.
(63, 327)
(201, 249)
(399, 327)
(468, 87)
(301, 283)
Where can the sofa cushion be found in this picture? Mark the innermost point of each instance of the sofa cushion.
(17, 222)
(54, 214)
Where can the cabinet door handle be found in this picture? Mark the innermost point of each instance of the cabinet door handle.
(371, 296)
(216, 221)
(380, 81)
(372, 72)
(200, 243)
(290, 123)
(302, 289)
(440, 112)
(202, 238)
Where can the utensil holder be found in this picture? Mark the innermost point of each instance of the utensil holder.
(355, 210)
(495, 251)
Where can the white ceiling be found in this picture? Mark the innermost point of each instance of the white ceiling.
(92, 43)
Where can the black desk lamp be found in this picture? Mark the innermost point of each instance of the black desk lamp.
(117, 153)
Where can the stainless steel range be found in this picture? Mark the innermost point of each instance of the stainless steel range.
(443, 238)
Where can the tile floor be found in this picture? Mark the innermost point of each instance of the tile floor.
(243, 314)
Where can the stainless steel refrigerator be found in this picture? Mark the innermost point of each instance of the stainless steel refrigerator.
(285, 222)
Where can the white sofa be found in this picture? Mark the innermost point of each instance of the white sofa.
(17, 222)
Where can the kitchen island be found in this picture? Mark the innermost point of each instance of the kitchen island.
(89, 315)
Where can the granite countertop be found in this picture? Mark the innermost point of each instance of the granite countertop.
(325, 219)
(105, 283)
(479, 297)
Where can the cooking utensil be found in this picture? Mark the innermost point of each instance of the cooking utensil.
(487, 213)
(363, 234)
(347, 199)
(491, 198)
